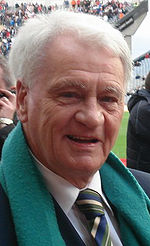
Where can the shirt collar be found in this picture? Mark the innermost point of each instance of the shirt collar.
(64, 192)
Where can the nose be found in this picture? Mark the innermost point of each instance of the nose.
(90, 114)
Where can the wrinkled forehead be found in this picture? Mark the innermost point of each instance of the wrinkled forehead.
(70, 45)
(66, 53)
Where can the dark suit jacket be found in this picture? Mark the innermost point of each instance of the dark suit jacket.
(70, 236)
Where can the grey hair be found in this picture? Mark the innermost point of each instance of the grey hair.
(28, 52)
(6, 75)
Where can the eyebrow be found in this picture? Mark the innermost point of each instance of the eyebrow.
(64, 84)
(68, 83)
(115, 90)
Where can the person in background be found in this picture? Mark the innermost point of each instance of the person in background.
(138, 132)
(7, 101)
(71, 71)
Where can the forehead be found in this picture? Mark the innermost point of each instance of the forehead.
(70, 46)
(69, 57)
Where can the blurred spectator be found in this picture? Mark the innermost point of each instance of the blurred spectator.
(66, 4)
(7, 102)
(138, 133)
(73, 3)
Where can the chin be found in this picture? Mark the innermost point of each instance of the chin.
(89, 168)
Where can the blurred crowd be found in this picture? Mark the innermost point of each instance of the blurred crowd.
(110, 10)
(12, 17)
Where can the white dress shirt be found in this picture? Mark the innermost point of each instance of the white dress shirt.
(66, 194)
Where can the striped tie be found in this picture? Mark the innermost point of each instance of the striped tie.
(90, 204)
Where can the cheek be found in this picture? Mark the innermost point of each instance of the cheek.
(55, 113)
(36, 119)
(39, 109)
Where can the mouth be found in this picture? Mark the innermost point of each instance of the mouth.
(83, 139)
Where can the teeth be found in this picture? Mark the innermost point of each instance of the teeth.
(80, 138)
(83, 139)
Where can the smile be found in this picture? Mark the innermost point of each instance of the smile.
(82, 139)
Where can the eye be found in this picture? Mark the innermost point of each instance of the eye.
(109, 102)
(69, 97)
(109, 99)
(69, 94)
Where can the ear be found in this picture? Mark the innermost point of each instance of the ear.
(21, 101)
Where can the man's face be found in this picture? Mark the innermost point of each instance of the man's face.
(71, 116)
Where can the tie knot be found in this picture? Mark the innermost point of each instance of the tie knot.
(90, 203)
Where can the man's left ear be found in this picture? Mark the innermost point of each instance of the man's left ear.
(21, 101)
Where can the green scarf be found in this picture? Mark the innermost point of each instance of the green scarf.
(130, 203)
(33, 209)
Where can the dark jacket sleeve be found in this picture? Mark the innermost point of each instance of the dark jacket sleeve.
(3, 135)
(143, 178)
(140, 118)
(138, 137)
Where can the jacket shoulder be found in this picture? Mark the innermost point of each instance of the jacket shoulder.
(143, 178)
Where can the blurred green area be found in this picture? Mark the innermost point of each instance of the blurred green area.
(120, 146)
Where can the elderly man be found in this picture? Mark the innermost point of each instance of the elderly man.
(71, 72)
